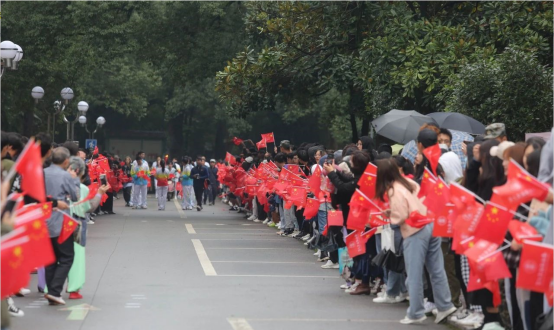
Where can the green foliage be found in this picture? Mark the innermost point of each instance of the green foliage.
(512, 88)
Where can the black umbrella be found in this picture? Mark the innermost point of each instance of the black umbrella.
(400, 126)
(458, 122)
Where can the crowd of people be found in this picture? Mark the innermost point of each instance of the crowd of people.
(372, 214)
(398, 252)
(79, 186)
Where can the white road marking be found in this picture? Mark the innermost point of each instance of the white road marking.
(280, 276)
(190, 229)
(239, 324)
(144, 221)
(133, 304)
(139, 298)
(137, 295)
(32, 306)
(205, 262)
(179, 209)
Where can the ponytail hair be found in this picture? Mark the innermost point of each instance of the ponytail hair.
(162, 165)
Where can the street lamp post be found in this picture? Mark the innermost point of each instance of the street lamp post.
(10, 55)
(100, 121)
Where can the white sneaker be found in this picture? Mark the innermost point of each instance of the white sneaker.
(442, 315)
(429, 306)
(56, 300)
(385, 299)
(346, 286)
(271, 223)
(401, 297)
(493, 326)
(90, 222)
(407, 320)
(467, 319)
(24, 291)
(330, 265)
(13, 309)
(352, 287)
(294, 233)
(257, 220)
(306, 237)
(144, 207)
(318, 253)
(266, 221)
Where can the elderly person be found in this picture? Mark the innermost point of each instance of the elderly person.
(79, 209)
(59, 184)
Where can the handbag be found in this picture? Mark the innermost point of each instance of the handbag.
(379, 259)
(544, 321)
(394, 261)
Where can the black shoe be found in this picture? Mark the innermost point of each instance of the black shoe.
(127, 205)
(198, 208)
(299, 235)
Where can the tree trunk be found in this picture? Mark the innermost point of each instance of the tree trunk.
(219, 145)
(365, 127)
(28, 121)
(175, 133)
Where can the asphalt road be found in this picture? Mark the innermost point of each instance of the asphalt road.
(173, 269)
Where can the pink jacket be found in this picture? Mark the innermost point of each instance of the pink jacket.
(402, 203)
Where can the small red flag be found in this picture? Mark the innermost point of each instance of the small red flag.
(428, 180)
(481, 250)
(268, 137)
(522, 231)
(262, 144)
(92, 191)
(418, 220)
(493, 223)
(294, 168)
(521, 187)
(29, 166)
(314, 181)
(368, 181)
(95, 152)
(41, 211)
(356, 243)
(433, 153)
(68, 227)
(334, 218)
(237, 141)
(15, 250)
(444, 222)
(39, 240)
(311, 208)
(298, 196)
(230, 159)
(535, 267)
(438, 195)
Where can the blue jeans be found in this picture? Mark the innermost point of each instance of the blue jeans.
(423, 250)
(321, 220)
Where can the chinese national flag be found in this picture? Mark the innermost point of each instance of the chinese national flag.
(433, 153)
(438, 195)
(298, 196)
(367, 235)
(68, 227)
(428, 180)
(14, 275)
(521, 187)
(92, 191)
(230, 159)
(493, 223)
(491, 268)
(356, 243)
(297, 181)
(261, 144)
(480, 250)
(462, 198)
(251, 180)
(39, 240)
(262, 195)
(535, 267)
(315, 181)
(29, 166)
(368, 180)
(268, 137)
(41, 211)
(294, 168)
(251, 189)
(95, 152)
(281, 187)
(444, 222)
(103, 163)
(358, 215)
(418, 220)
(237, 141)
(334, 218)
(311, 208)
(522, 231)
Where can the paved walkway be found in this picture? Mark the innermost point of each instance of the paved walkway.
(173, 269)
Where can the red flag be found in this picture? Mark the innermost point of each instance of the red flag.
(95, 152)
(311, 208)
(103, 163)
(252, 190)
(444, 222)
(92, 191)
(356, 243)
(367, 235)
(427, 182)
(522, 231)
(268, 137)
(315, 181)
(418, 220)
(433, 153)
(294, 168)
(29, 166)
(481, 250)
(39, 240)
(438, 195)
(261, 144)
(334, 218)
(237, 141)
(230, 159)
(521, 187)
(14, 275)
(463, 198)
(40, 211)
(298, 196)
(359, 213)
(262, 195)
(493, 223)
(68, 227)
(368, 180)
(535, 267)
